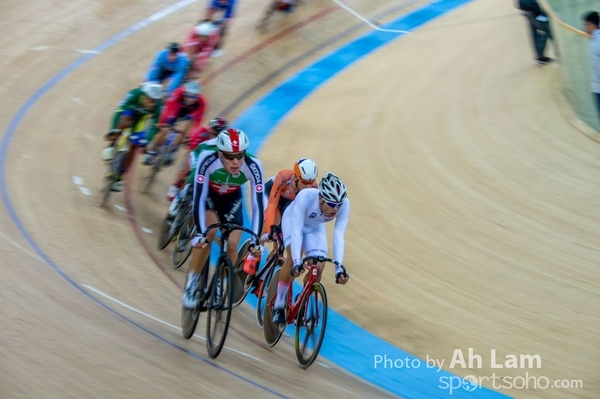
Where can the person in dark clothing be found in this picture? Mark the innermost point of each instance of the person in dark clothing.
(540, 28)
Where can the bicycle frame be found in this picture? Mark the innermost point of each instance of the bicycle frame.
(293, 308)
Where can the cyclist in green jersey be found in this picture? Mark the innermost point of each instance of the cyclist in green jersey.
(223, 167)
(138, 111)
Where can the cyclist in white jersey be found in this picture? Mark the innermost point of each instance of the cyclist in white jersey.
(303, 227)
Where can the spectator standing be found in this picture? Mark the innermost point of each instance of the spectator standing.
(540, 28)
(590, 25)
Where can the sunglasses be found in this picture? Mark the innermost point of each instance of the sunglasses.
(192, 96)
(306, 182)
(333, 204)
(231, 157)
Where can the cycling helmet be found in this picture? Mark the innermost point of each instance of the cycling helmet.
(218, 124)
(306, 169)
(192, 88)
(332, 188)
(232, 140)
(152, 90)
(173, 47)
(205, 29)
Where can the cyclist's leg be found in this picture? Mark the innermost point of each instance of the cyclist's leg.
(137, 135)
(197, 261)
(315, 244)
(230, 209)
(184, 128)
(184, 177)
(200, 255)
(285, 277)
(119, 122)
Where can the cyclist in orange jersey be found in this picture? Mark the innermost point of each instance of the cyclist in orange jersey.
(280, 191)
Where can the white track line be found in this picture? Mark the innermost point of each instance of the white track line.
(159, 320)
(365, 20)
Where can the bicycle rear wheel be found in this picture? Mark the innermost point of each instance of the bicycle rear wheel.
(310, 326)
(183, 245)
(219, 307)
(271, 330)
(260, 301)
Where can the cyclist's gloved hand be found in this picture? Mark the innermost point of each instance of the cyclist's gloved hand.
(298, 268)
(254, 248)
(275, 231)
(199, 241)
(341, 276)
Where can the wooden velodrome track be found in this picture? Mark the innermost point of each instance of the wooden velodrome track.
(474, 221)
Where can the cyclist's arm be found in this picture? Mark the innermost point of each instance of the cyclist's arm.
(339, 231)
(301, 203)
(183, 63)
(126, 107)
(274, 197)
(206, 164)
(255, 173)
(155, 116)
(154, 72)
(199, 112)
(170, 111)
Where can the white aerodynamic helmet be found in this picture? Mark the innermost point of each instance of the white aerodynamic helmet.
(192, 87)
(152, 90)
(232, 140)
(205, 29)
(306, 169)
(332, 189)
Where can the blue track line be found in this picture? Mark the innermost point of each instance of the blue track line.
(5, 145)
(346, 344)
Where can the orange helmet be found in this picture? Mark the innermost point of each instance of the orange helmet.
(306, 170)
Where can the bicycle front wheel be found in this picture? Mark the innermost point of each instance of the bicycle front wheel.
(219, 307)
(310, 326)
(190, 317)
(239, 290)
(115, 169)
(262, 292)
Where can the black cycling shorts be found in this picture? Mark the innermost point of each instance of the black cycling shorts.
(227, 206)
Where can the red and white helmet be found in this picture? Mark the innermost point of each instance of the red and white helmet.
(232, 140)
(218, 124)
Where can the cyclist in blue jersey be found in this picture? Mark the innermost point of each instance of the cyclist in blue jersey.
(169, 64)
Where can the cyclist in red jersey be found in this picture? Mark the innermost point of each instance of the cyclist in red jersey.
(185, 104)
(199, 46)
(198, 136)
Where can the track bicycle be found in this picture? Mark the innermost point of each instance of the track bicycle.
(215, 295)
(171, 225)
(167, 150)
(308, 312)
(244, 283)
(117, 164)
(274, 6)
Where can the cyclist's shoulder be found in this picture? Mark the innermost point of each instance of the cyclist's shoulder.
(284, 174)
(208, 145)
(307, 194)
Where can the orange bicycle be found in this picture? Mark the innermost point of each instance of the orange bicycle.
(308, 312)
